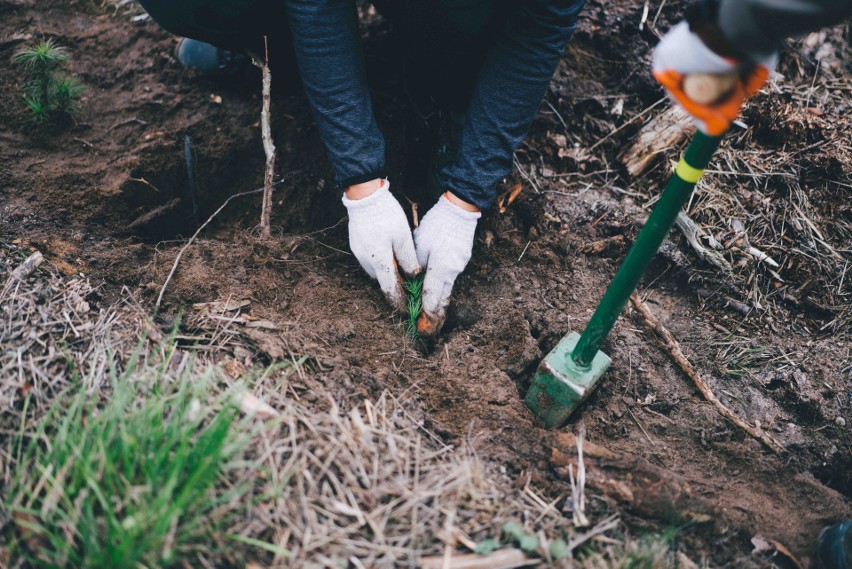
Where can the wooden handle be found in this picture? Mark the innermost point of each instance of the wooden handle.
(708, 88)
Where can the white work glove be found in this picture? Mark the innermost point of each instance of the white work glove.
(444, 243)
(380, 239)
(710, 87)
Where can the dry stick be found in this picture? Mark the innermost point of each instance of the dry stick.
(578, 487)
(268, 145)
(671, 346)
(24, 270)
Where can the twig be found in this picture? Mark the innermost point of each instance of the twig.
(603, 526)
(578, 487)
(268, 145)
(144, 181)
(526, 176)
(85, 143)
(524, 251)
(671, 346)
(692, 232)
(194, 235)
(644, 17)
(154, 213)
(136, 120)
(23, 270)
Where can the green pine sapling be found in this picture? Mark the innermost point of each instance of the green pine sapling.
(48, 93)
(414, 292)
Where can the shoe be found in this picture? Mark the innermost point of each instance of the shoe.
(207, 58)
(834, 546)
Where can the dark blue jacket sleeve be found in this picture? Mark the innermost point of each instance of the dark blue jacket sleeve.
(511, 86)
(328, 51)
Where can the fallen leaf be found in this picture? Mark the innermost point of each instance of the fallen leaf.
(509, 196)
(786, 553)
(575, 153)
(764, 546)
(252, 405)
(560, 139)
(234, 368)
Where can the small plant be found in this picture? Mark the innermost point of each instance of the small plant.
(49, 94)
(414, 292)
(529, 543)
(143, 479)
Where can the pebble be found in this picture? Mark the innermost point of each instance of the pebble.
(840, 421)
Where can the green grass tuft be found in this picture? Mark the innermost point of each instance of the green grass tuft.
(414, 292)
(140, 479)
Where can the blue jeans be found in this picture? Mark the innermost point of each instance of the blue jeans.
(499, 57)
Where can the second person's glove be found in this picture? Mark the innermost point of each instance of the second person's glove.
(681, 55)
(380, 239)
(444, 243)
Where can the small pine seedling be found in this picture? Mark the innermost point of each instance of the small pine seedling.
(414, 292)
(48, 93)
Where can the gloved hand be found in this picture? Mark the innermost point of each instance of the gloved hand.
(710, 87)
(444, 243)
(380, 239)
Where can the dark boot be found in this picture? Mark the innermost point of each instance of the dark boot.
(207, 58)
(834, 546)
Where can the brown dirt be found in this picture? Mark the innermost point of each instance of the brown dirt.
(75, 193)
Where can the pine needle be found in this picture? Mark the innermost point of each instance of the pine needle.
(414, 291)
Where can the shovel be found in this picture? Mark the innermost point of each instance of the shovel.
(570, 372)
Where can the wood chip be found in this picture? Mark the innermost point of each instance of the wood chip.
(250, 404)
(222, 306)
(500, 559)
(662, 132)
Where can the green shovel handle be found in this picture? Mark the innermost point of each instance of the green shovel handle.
(675, 195)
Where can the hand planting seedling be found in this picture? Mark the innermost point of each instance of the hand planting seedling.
(414, 294)
(49, 94)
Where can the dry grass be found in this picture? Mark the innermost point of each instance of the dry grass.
(51, 332)
(782, 187)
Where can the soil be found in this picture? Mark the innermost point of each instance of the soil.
(109, 197)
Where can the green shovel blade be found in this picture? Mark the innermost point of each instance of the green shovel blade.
(560, 386)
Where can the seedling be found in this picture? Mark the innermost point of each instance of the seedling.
(414, 292)
(527, 542)
(49, 94)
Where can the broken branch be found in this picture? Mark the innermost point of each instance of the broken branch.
(268, 145)
(672, 348)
